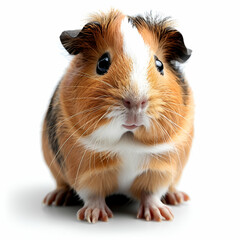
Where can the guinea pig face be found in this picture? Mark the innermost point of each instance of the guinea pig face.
(124, 77)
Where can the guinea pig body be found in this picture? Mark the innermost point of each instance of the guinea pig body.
(121, 118)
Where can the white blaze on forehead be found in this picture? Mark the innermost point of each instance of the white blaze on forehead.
(139, 53)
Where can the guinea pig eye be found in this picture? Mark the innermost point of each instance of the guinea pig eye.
(159, 65)
(103, 64)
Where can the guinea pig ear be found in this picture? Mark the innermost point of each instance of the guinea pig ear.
(174, 47)
(69, 40)
(74, 41)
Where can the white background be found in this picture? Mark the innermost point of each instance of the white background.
(32, 62)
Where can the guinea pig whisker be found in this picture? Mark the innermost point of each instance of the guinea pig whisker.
(175, 149)
(103, 97)
(85, 87)
(61, 123)
(65, 159)
(94, 122)
(73, 134)
(81, 112)
(88, 98)
(108, 84)
(92, 77)
(76, 140)
(164, 138)
(179, 104)
(155, 132)
(79, 165)
(175, 124)
(90, 162)
(161, 128)
(87, 149)
(169, 110)
(60, 148)
(83, 74)
(97, 124)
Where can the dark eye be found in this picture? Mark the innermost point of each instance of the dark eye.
(103, 64)
(159, 65)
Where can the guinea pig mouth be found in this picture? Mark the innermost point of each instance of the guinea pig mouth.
(133, 120)
(130, 127)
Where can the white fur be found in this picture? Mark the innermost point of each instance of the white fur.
(113, 138)
(131, 167)
(139, 53)
(84, 194)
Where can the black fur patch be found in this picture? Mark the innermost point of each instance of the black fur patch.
(52, 120)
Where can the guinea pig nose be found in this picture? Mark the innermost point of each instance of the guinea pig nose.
(127, 103)
(143, 103)
(140, 104)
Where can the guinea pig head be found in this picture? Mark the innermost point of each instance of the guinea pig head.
(125, 77)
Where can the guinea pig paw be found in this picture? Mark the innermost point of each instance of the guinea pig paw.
(61, 197)
(58, 197)
(151, 208)
(95, 211)
(175, 198)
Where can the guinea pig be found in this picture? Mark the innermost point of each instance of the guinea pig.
(121, 119)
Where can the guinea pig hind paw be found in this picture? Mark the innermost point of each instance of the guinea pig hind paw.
(59, 197)
(175, 198)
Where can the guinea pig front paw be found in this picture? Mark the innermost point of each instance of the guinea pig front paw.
(151, 208)
(175, 197)
(94, 210)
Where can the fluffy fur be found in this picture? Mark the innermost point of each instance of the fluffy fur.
(84, 142)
